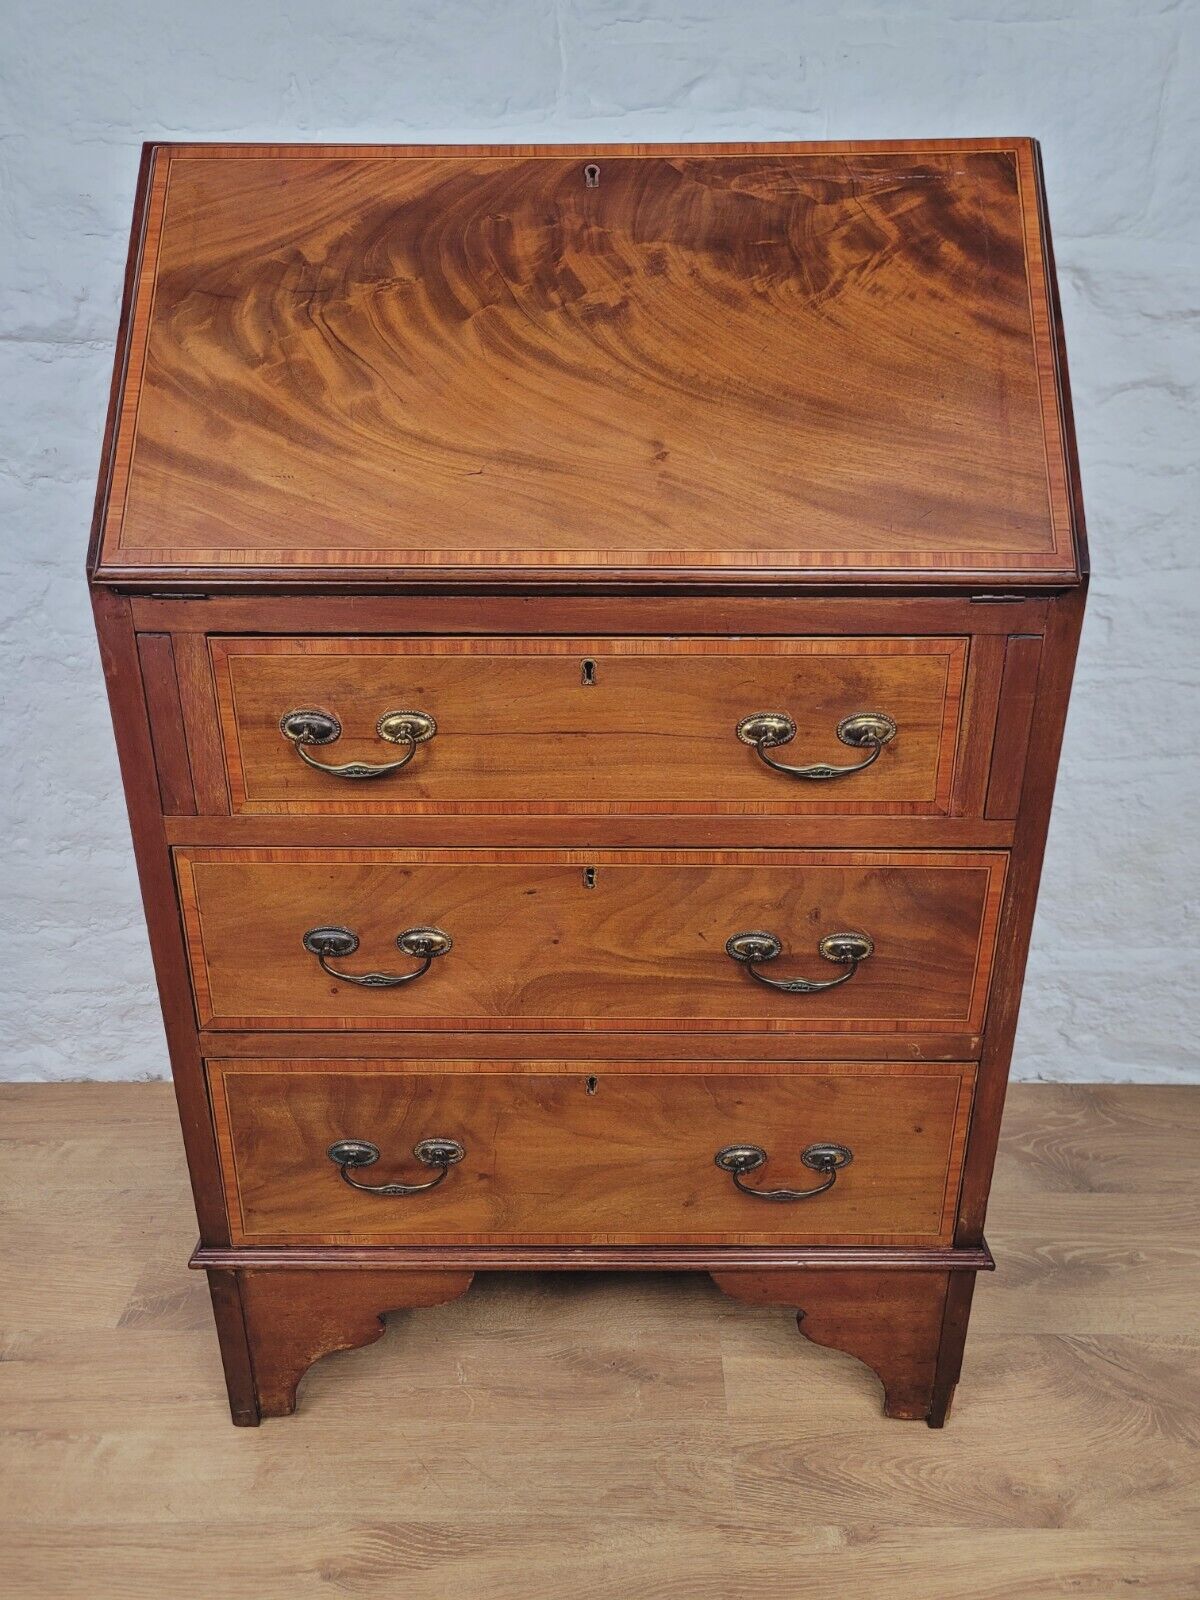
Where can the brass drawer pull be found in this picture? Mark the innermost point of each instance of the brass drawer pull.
(868, 730)
(305, 728)
(440, 1153)
(738, 1159)
(849, 948)
(423, 944)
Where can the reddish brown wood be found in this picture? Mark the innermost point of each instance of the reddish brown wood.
(603, 1155)
(938, 502)
(600, 832)
(1022, 659)
(518, 1051)
(293, 1318)
(643, 947)
(892, 1322)
(950, 1349)
(198, 709)
(658, 412)
(598, 1258)
(224, 1289)
(590, 725)
(124, 339)
(564, 611)
(1016, 921)
(122, 671)
(161, 687)
(976, 729)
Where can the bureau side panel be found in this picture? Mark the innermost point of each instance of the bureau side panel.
(1020, 903)
(122, 671)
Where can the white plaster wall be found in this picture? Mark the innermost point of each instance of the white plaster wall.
(1109, 86)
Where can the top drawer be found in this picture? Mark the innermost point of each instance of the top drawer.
(590, 725)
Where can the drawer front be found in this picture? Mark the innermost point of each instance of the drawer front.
(588, 725)
(602, 1154)
(605, 939)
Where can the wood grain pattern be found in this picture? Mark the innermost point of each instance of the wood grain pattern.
(295, 1318)
(535, 947)
(570, 1423)
(1018, 696)
(960, 1260)
(160, 685)
(552, 829)
(679, 612)
(1056, 668)
(123, 678)
(514, 1050)
(742, 360)
(563, 1156)
(890, 1321)
(652, 728)
(740, 419)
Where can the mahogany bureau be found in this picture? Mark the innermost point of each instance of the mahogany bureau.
(589, 632)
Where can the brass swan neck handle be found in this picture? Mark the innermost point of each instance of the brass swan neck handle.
(308, 728)
(739, 1159)
(348, 1154)
(867, 730)
(423, 944)
(851, 949)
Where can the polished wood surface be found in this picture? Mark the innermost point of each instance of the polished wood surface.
(563, 1155)
(741, 360)
(536, 946)
(890, 1321)
(586, 459)
(600, 1432)
(591, 724)
(292, 1320)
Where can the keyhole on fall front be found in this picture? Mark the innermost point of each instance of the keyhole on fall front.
(591, 175)
(587, 674)
(590, 1085)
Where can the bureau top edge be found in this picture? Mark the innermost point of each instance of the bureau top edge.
(705, 367)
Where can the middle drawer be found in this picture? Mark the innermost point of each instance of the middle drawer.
(669, 940)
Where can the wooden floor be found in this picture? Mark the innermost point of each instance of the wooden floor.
(594, 1436)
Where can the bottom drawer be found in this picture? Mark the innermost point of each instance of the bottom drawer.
(589, 1153)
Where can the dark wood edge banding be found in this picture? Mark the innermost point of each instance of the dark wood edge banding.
(597, 1258)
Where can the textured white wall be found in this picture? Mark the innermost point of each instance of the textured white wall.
(1109, 86)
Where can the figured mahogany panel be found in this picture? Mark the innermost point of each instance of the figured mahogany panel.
(611, 725)
(765, 360)
(560, 1155)
(601, 939)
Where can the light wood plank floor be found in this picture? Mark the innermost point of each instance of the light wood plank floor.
(598, 1436)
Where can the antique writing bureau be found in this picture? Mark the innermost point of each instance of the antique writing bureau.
(589, 633)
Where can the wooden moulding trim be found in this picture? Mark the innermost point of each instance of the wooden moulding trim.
(529, 615)
(596, 1258)
(550, 830)
(645, 1052)
(293, 578)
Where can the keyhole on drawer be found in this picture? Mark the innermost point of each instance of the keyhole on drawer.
(591, 175)
(587, 674)
(589, 877)
(590, 1085)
